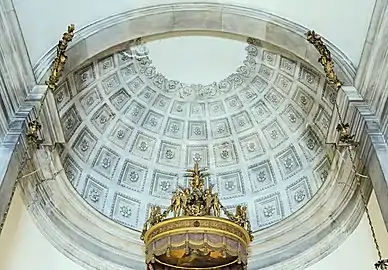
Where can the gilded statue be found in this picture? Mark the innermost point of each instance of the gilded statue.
(176, 203)
(196, 210)
(196, 179)
(345, 136)
(241, 215)
(237, 216)
(196, 200)
(241, 218)
(216, 205)
(208, 200)
(184, 196)
(325, 59)
(155, 217)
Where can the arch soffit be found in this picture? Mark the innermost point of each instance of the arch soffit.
(116, 30)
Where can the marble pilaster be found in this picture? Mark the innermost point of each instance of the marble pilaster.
(372, 75)
(373, 148)
(371, 105)
(16, 82)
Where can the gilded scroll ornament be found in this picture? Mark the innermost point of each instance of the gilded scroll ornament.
(60, 59)
(325, 59)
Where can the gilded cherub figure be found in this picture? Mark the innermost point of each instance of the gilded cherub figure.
(344, 135)
(241, 218)
(155, 217)
(32, 133)
(241, 215)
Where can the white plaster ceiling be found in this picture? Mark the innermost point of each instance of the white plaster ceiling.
(174, 61)
(132, 131)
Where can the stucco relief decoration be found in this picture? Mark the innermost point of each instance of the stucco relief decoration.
(131, 131)
(144, 65)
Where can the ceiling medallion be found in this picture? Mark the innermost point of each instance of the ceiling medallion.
(197, 157)
(261, 176)
(299, 195)
(220, 129)
(169, 154)
(269, 211)
(94, 195)
(120, 134)
(143, 146)
(174, 128)
(84, 145)
(133, 176)
(224, 154)
(292, 118)
(106, 162)
(125, 211)
(191, 234)
(251, 146)
(60, 97)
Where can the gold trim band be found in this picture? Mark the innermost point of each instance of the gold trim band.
(148, 239)
(196, 268)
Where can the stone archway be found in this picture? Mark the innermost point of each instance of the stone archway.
(70, 223)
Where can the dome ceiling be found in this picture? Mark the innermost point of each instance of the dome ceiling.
(131, 131)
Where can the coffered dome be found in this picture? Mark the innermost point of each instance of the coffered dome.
(131, 131)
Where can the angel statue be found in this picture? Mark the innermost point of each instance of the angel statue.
(345, 136)
(216, 205)
(176, 203)
(155, 217)
(241, 219)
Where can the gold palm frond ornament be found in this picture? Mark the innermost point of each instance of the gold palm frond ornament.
(192, 234)
(345, 138)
